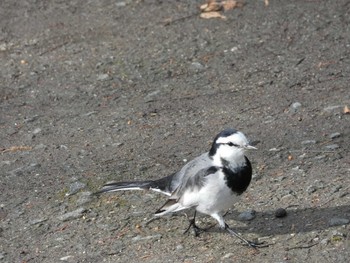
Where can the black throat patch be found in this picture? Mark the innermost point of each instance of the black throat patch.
(239, 179)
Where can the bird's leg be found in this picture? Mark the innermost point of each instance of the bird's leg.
(247, 242)
(196, 229)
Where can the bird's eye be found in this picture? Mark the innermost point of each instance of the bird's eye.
(232, 144)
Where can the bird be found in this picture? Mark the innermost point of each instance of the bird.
(210, 183)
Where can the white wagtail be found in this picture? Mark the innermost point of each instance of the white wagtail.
(210, 183)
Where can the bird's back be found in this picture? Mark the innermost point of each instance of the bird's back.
(190, 170)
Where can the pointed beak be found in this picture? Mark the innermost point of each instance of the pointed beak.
(250, 147)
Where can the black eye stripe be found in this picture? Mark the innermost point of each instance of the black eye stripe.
(232, 144)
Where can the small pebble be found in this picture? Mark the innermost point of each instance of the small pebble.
(295, 106)
(179, 247)
(75, 187)
(89, 113)
(297, 169)
(247, 215)
(40, 147)
(336, 189)
(117, 144)
(3, 46)
(62, 146)
(324, 241)
(269, 119)
(309, 142)
(274, 150)
(151, 96)
(311, 189)
(336, 221)
(332, 146)
(138, 238)
(84, 197)
(280, 212)
(36, 131)
(37, 221)
(288, 198)
(25, 169)
(333, 108)
(320, 157)
(3, 213)
(72, 215)
(335, 135)
(341, 195)
(120, 4)
(65, 258)
(196, 66)
(103, 77)
(31, 119)
(228, 255)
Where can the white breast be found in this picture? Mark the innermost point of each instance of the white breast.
(213, 197)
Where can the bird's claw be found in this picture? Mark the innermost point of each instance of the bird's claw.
(256, 245)
(197, 230)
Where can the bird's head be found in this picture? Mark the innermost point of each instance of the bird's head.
(229, 145)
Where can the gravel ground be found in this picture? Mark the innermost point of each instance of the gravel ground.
(93, 91)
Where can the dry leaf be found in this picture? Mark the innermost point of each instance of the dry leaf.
(208, 15)
(17, 148)
(211, 6)
(324, 64)
(167, 21)
(230, 4)
(204, 6)
(346, 110)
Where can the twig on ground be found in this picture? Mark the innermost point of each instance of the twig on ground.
(301, 247)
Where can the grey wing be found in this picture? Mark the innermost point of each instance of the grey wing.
(195, 181)
(189, 183)
(191, 170)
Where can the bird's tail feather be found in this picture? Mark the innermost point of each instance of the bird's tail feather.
(163, 185)
(120, 186)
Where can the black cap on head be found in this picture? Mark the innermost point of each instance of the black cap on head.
(225, 133)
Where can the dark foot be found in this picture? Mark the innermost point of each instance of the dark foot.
(256, 244)
(197, 230)
(247, 242)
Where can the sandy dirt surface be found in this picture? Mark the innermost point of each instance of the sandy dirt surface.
(94, 91)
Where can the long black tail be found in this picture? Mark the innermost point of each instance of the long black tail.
(163, 185)
(119, 186)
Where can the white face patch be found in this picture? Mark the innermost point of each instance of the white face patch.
(236, 138)
(231, 154)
